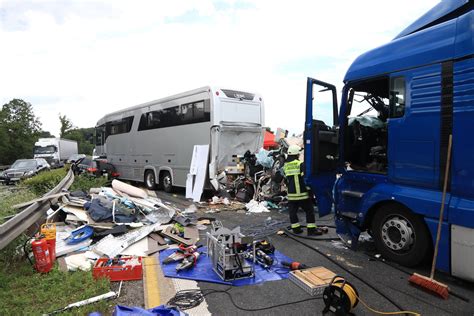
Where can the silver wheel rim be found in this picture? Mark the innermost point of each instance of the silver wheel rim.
(398, 233)
(167, 181)
(150, 179)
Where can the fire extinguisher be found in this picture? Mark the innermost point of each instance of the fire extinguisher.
(43, 262)
(48, 230)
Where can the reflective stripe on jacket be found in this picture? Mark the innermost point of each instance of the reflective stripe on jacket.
(296, 187)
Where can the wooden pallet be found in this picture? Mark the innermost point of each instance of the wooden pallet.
(312, 280)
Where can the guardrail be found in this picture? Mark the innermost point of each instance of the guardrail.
(33, 213)
(4, 167)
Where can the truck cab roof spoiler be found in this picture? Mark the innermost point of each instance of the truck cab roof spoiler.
(443, 11)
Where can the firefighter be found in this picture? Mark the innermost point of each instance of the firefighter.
(298, 193)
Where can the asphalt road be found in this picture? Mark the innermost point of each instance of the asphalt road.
(372, 278)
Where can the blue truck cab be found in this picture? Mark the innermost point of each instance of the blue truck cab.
(380, 162)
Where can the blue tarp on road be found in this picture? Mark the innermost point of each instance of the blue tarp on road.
(203, 270)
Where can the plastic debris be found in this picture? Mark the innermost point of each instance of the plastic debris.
(256, 207)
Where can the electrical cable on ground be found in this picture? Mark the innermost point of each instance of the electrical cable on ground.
(354, 298)
(455, 294)
(348, 271)
(420, 299)
(187, 299)
(288, 231)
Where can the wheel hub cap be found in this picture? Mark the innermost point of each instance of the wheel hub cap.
(149, 179)
(397, 233)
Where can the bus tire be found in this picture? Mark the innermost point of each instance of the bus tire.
(166, 182)
(400, 235)
(150, 181)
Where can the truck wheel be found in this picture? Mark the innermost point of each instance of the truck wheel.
(165, 182)
(400, 235)
(150, 182)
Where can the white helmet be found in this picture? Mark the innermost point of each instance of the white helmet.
(294, 150)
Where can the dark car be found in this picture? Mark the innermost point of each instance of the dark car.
(23, 168)
(94, 167)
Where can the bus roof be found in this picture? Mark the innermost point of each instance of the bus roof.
(163, 100)
(166, 99)
(422, 43)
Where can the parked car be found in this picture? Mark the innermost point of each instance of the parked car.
(24, 168)
(75, 157)
(94, 167)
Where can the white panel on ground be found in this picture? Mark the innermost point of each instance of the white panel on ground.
(197, 172)
(189, 186)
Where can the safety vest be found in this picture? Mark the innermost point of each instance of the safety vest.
(296, 188)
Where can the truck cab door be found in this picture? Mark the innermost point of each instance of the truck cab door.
(321, 142)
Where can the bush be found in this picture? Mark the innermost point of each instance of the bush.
(45, 181)
(85, 182)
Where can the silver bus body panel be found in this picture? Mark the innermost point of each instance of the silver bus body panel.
(170, 148)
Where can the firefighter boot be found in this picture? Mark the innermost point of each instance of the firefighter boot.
(297, 230)
(314, 231)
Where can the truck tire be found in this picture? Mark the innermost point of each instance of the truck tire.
(166, 182)
(400, 235)
(150, 181)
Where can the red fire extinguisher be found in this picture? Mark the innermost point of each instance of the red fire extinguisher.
(43, 262)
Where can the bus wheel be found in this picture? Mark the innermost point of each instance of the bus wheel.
(150, 180)
(165, 181)
(400, 235)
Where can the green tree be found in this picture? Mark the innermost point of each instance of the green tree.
(46, 134)
(66, 125)
(19, 129)
(84, 138)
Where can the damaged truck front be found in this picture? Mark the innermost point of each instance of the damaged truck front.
(153, 142)
(380, 162)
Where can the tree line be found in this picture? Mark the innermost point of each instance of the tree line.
(20, 128)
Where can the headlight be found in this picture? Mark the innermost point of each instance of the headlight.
(29, 173)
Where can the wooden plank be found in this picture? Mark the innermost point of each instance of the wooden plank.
(191, 232)
(167, 233)
(158, 238)
(314, 277)
(49, 197)
(303, 278)
(322, 273)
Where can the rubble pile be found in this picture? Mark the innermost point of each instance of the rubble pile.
(116, 222)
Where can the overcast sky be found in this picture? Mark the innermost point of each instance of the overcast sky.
(87, 58)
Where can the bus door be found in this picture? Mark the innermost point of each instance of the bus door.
(321, 141)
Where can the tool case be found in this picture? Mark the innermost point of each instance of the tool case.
(312, 280)
(118, 269)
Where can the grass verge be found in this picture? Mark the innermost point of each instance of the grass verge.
(23, 291)
(17, 196)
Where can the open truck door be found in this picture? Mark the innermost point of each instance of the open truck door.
(321, 142)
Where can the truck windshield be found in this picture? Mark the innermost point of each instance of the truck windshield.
(366, 134)
(20, 164)
(45, 150)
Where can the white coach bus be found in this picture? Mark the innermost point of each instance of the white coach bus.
(153, 142)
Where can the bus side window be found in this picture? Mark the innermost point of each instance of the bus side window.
(187, 113)
(199, 111)
(397, 97)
